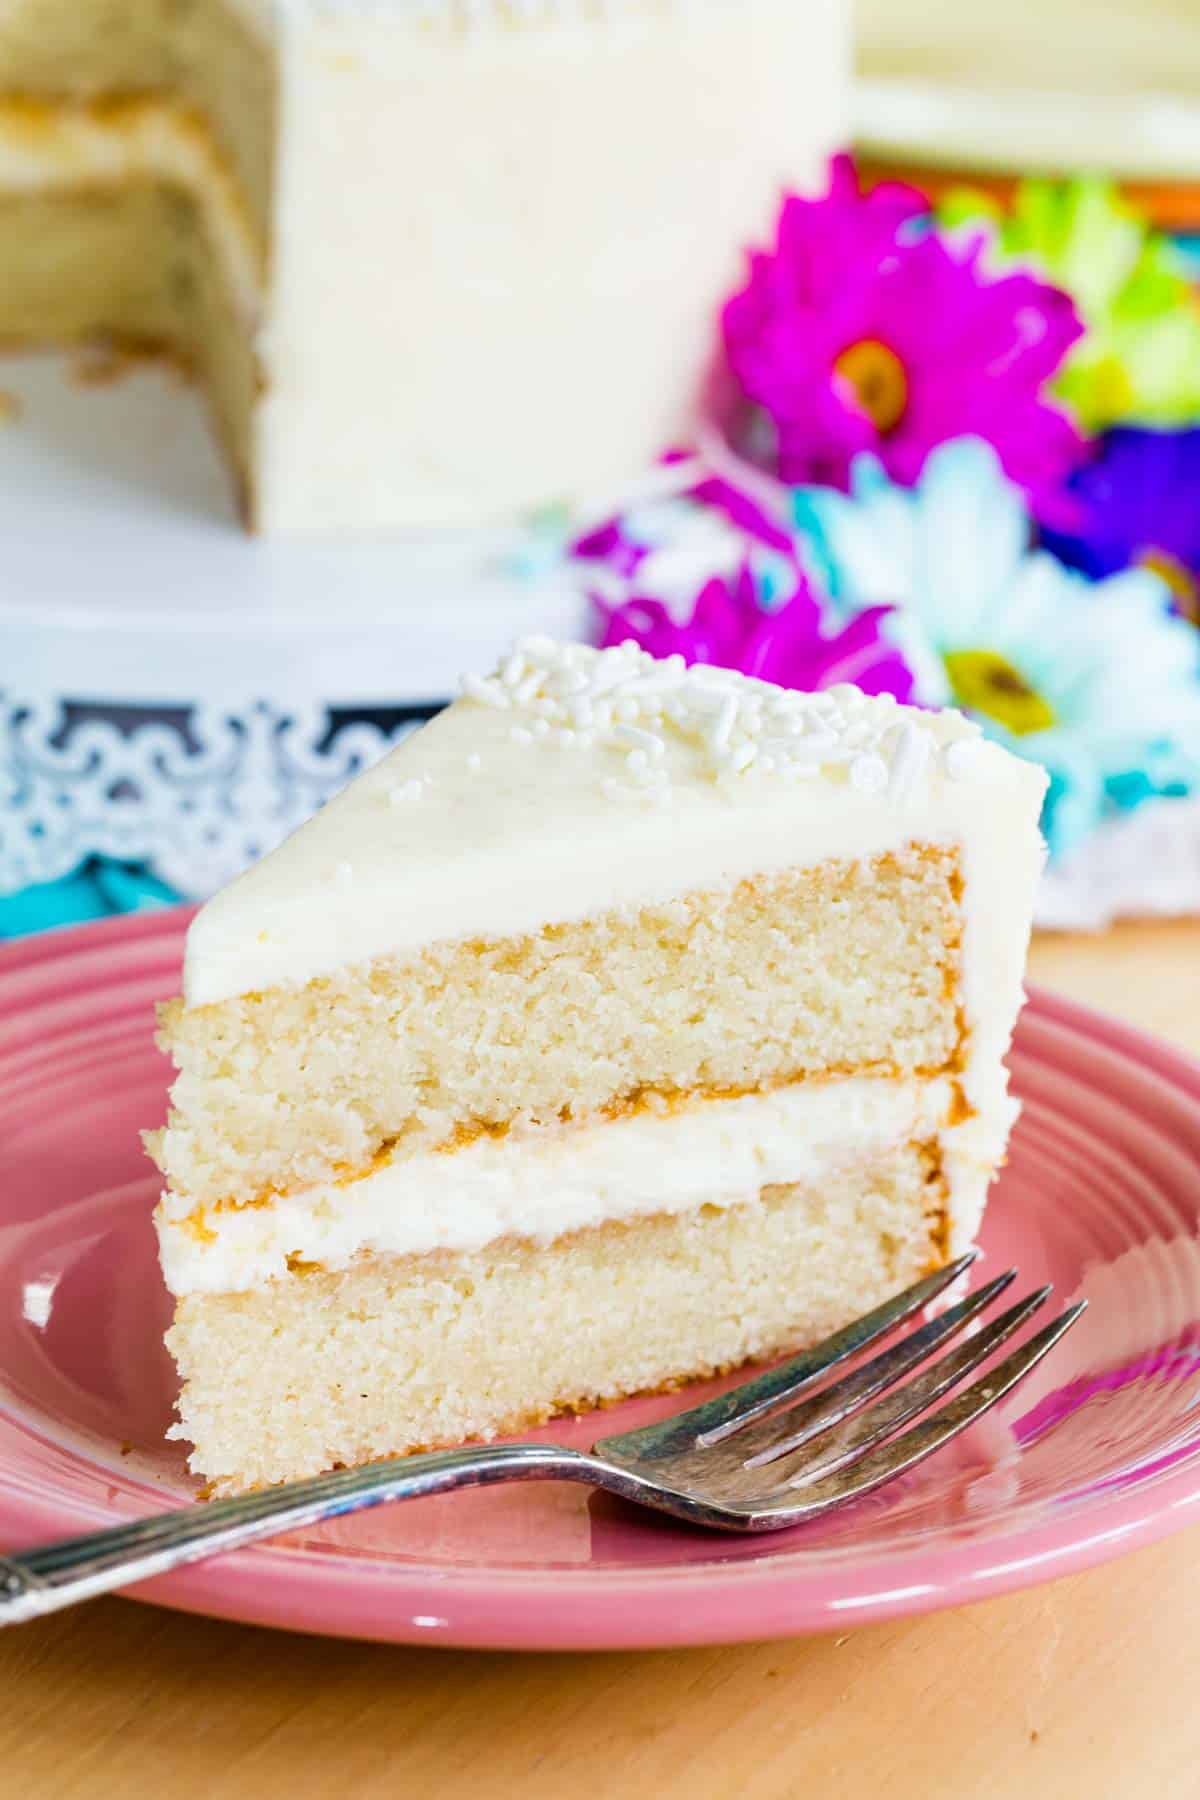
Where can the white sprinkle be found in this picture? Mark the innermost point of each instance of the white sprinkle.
(869, 773)
(343, 875)
(961, 757)
(487, 693)
(909, 760)
(623, 699)
(726, 720)
(405, 793)
(816, 744)
(645, 741)
(474, 762)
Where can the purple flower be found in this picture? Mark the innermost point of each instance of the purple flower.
(862, 331)
(1137, 504)
(789, 646)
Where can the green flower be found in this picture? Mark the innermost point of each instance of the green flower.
(1139, 358)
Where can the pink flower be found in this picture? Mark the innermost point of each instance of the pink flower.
(711, 573)
(863, 330)
(789, 646)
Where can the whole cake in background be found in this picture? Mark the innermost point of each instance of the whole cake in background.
(435, 261)
(625, 1023)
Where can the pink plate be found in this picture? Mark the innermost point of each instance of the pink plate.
(1098, 1452)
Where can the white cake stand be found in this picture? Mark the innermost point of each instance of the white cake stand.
(176, 692)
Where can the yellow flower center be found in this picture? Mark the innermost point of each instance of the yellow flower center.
(1102, 388)
(1177, 577)
(876, 377)
(985, 682)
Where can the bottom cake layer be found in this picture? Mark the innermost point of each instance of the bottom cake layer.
(399, 1353)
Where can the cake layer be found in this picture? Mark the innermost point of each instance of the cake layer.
(401, 1353)
(132, 265)
(543, 1184)
(96, 151)
(215, 57)
(848, 967)
(123, 220)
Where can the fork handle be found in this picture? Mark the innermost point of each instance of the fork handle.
(61, 1574)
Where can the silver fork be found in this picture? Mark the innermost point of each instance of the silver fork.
(776, 1451)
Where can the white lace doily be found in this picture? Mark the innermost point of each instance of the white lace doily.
(197, 793)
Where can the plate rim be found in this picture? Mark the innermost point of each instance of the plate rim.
(587, 1607)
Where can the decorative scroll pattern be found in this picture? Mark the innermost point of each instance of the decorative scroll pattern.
(196, 792)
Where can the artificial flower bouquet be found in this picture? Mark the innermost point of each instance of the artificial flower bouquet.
(953, 454)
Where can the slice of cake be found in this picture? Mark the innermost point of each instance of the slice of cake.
(435, 261)
(626, 1023)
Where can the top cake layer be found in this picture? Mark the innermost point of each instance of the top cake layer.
(576, 781)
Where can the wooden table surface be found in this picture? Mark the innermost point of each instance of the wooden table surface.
(1084, 1687)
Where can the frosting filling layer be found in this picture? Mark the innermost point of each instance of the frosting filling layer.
(542, 1183)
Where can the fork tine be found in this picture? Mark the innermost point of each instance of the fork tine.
(799, 1424)
(900, 1454)
(869, 1427)
(711, 1421)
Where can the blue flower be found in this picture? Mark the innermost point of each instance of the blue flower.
(1098, 681)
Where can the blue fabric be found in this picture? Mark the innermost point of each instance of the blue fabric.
(97, 889)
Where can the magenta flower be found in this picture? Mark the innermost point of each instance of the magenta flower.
(711, 573)
(790, 646)
(864, 331)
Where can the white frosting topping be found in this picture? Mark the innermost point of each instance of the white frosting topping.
(459, 15)
(542, 1183)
